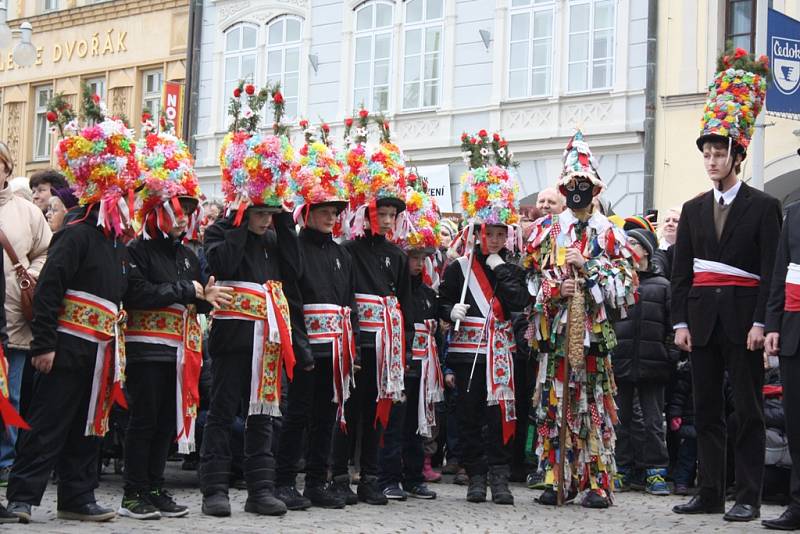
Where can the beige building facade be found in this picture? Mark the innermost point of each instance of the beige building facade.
(124, 50)
(691, 34)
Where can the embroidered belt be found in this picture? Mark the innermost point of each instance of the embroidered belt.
(266, 306)
(431, 381)
(712, 273)
(383, 316)
(329, 323)
(792, 299)
(100, 321)
(175, 326)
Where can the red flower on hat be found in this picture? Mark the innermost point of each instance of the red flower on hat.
(146, 116)
(739, 53)
(51, 116)
(482, 133)
(363, 113)
(386, 125)
(496, 137)
(325, 127)
(277, 98)
(237, 92)
(96, 98)
(348, 122)
(249, 89)
(303, 123)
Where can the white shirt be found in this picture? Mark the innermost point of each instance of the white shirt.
(728, 196)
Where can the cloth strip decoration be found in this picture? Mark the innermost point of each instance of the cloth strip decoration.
(713, 273)
(100, 321)
(175, 326)
(792, 299)
(266, 307)
(329, 323)
(431, 382)
(9, 415)
(383, 316)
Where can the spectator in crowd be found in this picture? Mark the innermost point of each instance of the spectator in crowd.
(549, 201)
(42, 183)
(61, 201)
(669, 228)
(28, 236)
(680, 416)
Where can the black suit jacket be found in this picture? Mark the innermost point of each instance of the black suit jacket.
(749, 241)
(778, 320)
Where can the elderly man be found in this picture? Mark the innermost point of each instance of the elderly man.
(549, 201)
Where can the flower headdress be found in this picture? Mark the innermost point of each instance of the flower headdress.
(578, 161)
(735, 98)
(423, 220)
(99, 160)
(255, 166)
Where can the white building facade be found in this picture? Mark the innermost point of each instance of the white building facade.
(533, 70)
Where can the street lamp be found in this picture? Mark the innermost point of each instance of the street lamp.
(24, 53)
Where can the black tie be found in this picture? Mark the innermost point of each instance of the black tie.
(722, 202)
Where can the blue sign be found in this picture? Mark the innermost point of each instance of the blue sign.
(783, 41)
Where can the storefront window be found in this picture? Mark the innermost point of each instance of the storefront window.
(422, 64)
(531, 48)
(41, 141)
(283, 59)
(591, 45)
(373, 55)
(240, 60)
(151, 92)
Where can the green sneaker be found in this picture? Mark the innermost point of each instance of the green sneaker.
(136, 506)
(621, 483)
(656, 485)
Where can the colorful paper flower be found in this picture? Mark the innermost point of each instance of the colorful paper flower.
(256, 167)
(319, 176)
(488, 196)
(423, 220)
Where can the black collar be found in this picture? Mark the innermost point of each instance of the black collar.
(315, 236)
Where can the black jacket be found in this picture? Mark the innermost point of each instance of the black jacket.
(80, 258)
(381, 269)
(235, 254)
(778, 320)
(425, 307)
(328, 278)
(508, 281)
(662, 261)
(748, 242)
(644, 352)
(680, 401)
(162, 273)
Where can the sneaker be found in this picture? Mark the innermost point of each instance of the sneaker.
(87, 512)
(6, 516)
(461, 478)
(369, 492)
(20, 509)
(656, 485)
(393, 492)
(135, 506)
(217, 504)
(341, 486)
(421, 491)
(535, 480)
(620, 483)
(5, 472)
(428, 473)
(165, 504)
(292, 498)
(324, 496)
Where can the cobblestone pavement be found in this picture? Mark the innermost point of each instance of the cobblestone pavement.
(633, 512)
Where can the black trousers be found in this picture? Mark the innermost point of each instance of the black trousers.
(790, 376)
(310, 408)
(230, 393)
(151, 427)
(746, 375)
(647, 450)
(479, 450)
(524, 384)
(57, 416)
(402, 456)
(360, 407)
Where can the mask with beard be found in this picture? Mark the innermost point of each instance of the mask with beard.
(579, 195)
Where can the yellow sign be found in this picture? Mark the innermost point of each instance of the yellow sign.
(97, 45)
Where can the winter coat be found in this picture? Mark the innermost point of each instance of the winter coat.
(162, 273)
(662, 261)
(644, 352)
(680, 400)
(235, 254)
(29, 234)
(80, 258)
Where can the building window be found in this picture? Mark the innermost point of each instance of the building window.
(591, 45)
(740, 24)
(240, 60)
(422, 65)
(98, 87)
(530, 57)
(373, 55)
(283, 59)
(41, 141)
(50, 5)
(152, 81)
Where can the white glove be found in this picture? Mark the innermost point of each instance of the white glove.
(494, 260)
(458, 312)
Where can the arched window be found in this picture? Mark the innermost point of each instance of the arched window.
(422, 62)
(373, 55)
(284, 36)
(240, 59)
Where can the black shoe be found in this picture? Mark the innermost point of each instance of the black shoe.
(135, 506)
(87, 512)
(789, 520)
(341, 486)
(190, 462)
(165, 504)
(324, 496)
(6, 516)
(292, 498)
(369, 492)
(476, 490)
(217, 505)
(549, 497)
(595, 499)
(699, 505)
(498, 482)
(263, 502)
(20, 509)
(742, 513)
(421, 491)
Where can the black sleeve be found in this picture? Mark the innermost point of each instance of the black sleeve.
(64, 257)
(224, 247)
(511, 288)
(777, 293)
(287, 246)
(450, 290)
(406, 299)
(770, 227)
(682, 270)
(3, 328)
(143, 294)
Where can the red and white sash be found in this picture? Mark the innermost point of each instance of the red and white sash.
(431, 381)
(329, 323)
(383, 316)
(792, 300)
(175, 326)
(713, 273)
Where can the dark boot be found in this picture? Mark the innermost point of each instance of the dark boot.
(214, 477)
(292, 498)
(369, 492)
(498, 481)
(217, 504)
(476, 491)
(341, 485)
(263, 502)
(324, 496)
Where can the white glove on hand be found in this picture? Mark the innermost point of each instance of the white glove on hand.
(458, 312)
(494, 260)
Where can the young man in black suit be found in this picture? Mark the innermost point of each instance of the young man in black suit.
(724, 255)
(783, 339)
